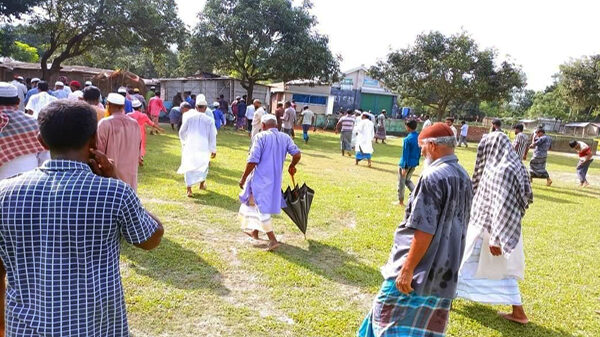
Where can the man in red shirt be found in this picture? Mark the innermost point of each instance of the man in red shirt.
(155, 106)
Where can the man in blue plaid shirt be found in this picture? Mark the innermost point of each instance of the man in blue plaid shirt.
(60, 232)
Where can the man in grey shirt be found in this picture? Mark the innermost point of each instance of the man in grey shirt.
(289, 119)
(422, 270)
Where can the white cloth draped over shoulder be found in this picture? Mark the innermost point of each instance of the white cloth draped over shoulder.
(198, 136)
(364, 136)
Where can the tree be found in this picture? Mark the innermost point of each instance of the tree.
(579, 85)
(444, 71)
(72, 28)
(549, 104)
(260, 40)
(16, 7)
(24, 52)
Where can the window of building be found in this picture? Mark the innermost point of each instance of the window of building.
(310, 99)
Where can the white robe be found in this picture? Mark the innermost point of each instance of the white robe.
(257, 121)
(364, 138)
(198, 136)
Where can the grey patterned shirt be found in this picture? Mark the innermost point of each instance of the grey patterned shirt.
(440, 205)
(542, 145)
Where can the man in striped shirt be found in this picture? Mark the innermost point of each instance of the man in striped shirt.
(61, 227)
(521, 142)
(346, 125)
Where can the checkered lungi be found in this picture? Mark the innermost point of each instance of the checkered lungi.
(395, 314)
(537, 167)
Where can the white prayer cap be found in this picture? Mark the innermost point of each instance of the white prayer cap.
(216, 104)
(8, 90)
(59, 84)
(136, 103)
(115, 98)
(268, 117)
(201, 100)
(256, 100)
(88, 83)
(20, 78)
(35, 79)
(122, 90)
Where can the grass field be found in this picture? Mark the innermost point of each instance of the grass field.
(206, 279)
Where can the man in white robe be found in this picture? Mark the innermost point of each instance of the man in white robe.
(365, 132)
(198, 136)
(493, 260)
(257, 117)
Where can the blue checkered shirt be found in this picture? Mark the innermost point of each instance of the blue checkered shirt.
(60, 232)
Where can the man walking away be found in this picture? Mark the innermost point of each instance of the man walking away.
(40, 100)
(289, 119)
(279, 114)
(585, 159)
(380, 134)
(241, 116)
(120, 139)
(521, 142)
(411, 153)
(496, 125)
(420, 275)
(346, 125)
(250, 109)
(494, 258)
(364, 139)
(18, 82)
(219, 116)
(537, 165)
(155, 106)
(427, 122)
(198, 136)
(464, 131)
(261, 182)
(20, 150)
(66, 282)
(259, 112)
(307, 120)
(450, 123)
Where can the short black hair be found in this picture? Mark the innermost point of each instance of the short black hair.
(519, 127)
(426, 116)
(412, 124)
(463, 122)
(67, 125)
(43, 86)
(9, 101)
(91, 93)
(497, 122)
(222, 96)
(540, 129)
(573, 143)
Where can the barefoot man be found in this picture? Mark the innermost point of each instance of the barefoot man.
(261, 182)
(198, 136)
(420, 275)
(494, 259)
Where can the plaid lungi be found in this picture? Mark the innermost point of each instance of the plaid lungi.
(346, 140)
(537, 167)
(395, 314)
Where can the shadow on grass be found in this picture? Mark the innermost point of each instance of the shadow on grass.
(212, 198)
(489, 318)
(175, 265)
(544, 197)
(582, 193)
(331, 263)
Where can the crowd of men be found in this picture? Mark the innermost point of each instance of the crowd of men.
(68, 174)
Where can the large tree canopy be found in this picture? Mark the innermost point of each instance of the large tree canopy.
(443, 71)
(259, 40)
(16, 7)
(579, 85)
(72, 28)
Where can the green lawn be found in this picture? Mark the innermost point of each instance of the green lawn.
(206, 279)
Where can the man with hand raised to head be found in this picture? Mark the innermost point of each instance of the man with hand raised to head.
(60, 233)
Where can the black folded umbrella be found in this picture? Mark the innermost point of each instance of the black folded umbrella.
(299, 201)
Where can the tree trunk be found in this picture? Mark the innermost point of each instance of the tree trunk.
(250, 91)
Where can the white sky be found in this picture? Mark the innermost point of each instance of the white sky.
(538, 35)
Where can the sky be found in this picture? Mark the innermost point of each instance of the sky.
(538, 35)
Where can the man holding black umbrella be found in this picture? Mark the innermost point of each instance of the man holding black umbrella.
(261, 182)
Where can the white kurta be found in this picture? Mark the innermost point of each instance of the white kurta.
(364, 137)
(23, 164)
(198, 136)
(257, 121)
(489, 279)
